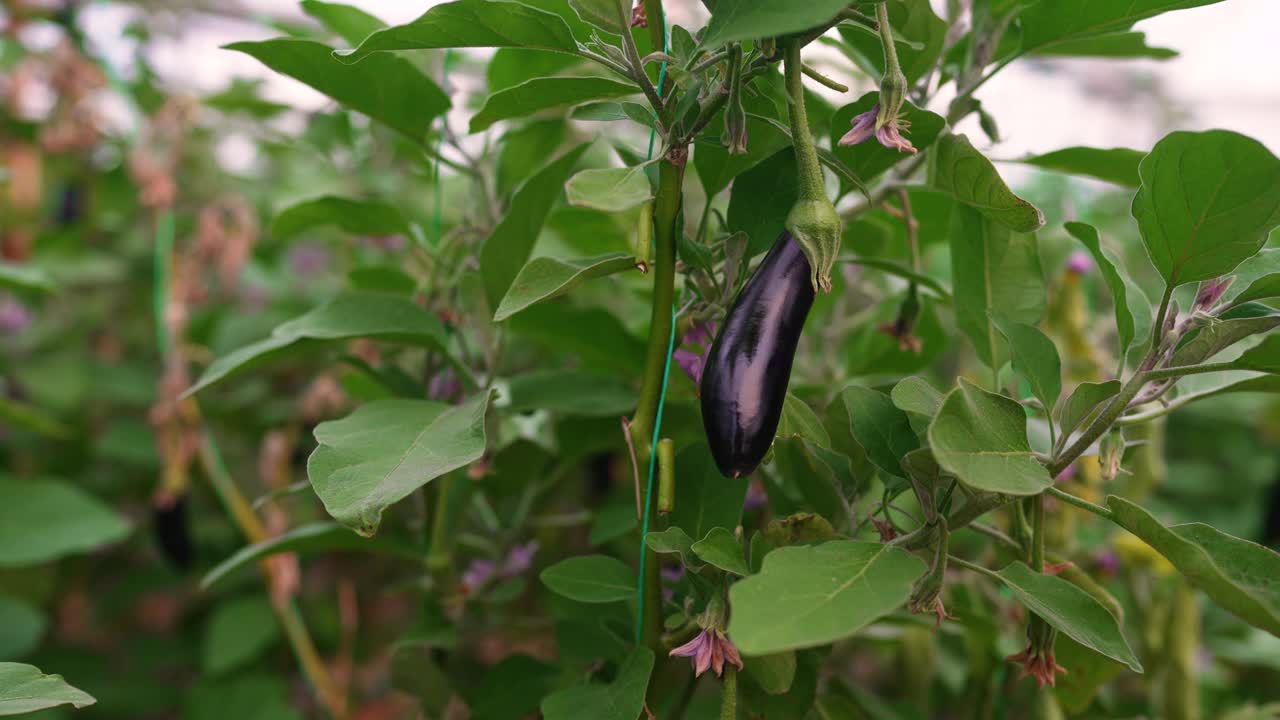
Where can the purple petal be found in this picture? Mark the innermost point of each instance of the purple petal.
(864, 127)
(890, 137)
(1080, 263)
(691, 648)
(690, 363)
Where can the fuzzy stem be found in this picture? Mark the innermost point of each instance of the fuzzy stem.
(1081, 503)
(891, 64)
(729, 696)
(809, 172)
(1157, 330)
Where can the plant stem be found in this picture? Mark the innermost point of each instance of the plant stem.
(1157, 330)
(1176, 372)
(886, 38)
(729, 697)
(1037, 533)
(824, 80)
(1100, 424)
(656, 23)
(438, 555)
(974, 567)
(809, 172)
(1079, 502)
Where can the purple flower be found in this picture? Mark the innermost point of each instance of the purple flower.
(1211, 292)
(1107, 561)
(445, 387)
(477, 574)
(14, 317)
(520, 559)
(692, 354)
(308, 260)
(710, 649)
(1080, 263)
(887, 131)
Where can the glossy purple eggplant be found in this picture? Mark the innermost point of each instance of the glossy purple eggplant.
(745, 378)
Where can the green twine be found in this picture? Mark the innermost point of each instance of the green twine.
(662, 394)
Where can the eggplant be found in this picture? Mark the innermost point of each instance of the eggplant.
(744, 381)
(173, 531)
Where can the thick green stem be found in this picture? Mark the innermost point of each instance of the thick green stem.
(438, 556)
(1081, 503)
(1157, 330)
(1037, 533)
(891, 63)
(1177, 372)
(729, 698)
(809, 172)
(1100, 425)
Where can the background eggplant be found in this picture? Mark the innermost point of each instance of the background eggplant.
(746, 374)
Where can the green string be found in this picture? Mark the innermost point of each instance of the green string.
(662, 395)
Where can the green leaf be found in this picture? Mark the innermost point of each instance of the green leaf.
(870, 159)
(472, 23)
(538, 94)
(800, 421)
(1220, 335)
(1117, 45)
(591, 579)
(570, 392)
(961, 170)
(1036, 359)
(21, 416)
(1088, 672)
(592, 336)
(508, 247)
(674, 540)
(382, 278)
(1264, 288)
(721, 549)
(716, 168)
(386, 449)
(819, 474)
(317, 537)
(350, 23)
(981, 438)
(760, 200)
(21, 627)
(1114, 165)
(248, 697)
(24, 689)
(1109, 264)
(880, 427)
(388, 89)
(25, 279)
(378, 316)
(238, 632)
(1208, 201)
(917, 396)
(995, 273)
(356, 217)
(512, 689)
(609, 189)
(604, 14)
(750, 19)
(920, 36)
(1241, 576)
(806, 596)
(1083, 402)
(623, 699)
(1071, 610)
(704, 498)
(44, 520)
(1045, 24)
(1264, 356)
(544, 278)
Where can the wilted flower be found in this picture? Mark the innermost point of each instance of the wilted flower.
(887, 131)
(1039, 665)
(903, 326)
(885, 528)
(692, 354)
(639, 16)
(710, 649)
(1080, 263)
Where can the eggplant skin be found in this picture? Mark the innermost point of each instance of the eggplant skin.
(173, 531)
(744, 381)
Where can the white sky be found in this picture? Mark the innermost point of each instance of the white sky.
(1225, 76)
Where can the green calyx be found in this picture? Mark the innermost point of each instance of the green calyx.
(813, 219)
(893, 86)
(815, 224)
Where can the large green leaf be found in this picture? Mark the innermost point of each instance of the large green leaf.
(1208, 201)
(958, 168)
(981, 438)
(1035, 358)
(1265, 356)
(24, 689)
(238, 631)
(1114, 165)
(880, 427)
(716, 168)
(544, 278)
(591, 579)
(358, 217)
(507, 248)
(609, 189)
(570, 392)
(750, 19)
(622, 699)
(538, 94)
(1086, 399)
(1128, 309)
(920, 36)
(812, 595)
(1071, 610)
(312, 538)
(608, 15)
(704, 498)
(723, 550)
(1048, 23)
(870, 159)
(472, 23)
(1220, 335)
(1112, 45)
(43, 520)
(388, 89)
(760, 200)
(379, 316)
(1239, 575)
(995, 273)
(382, 452)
